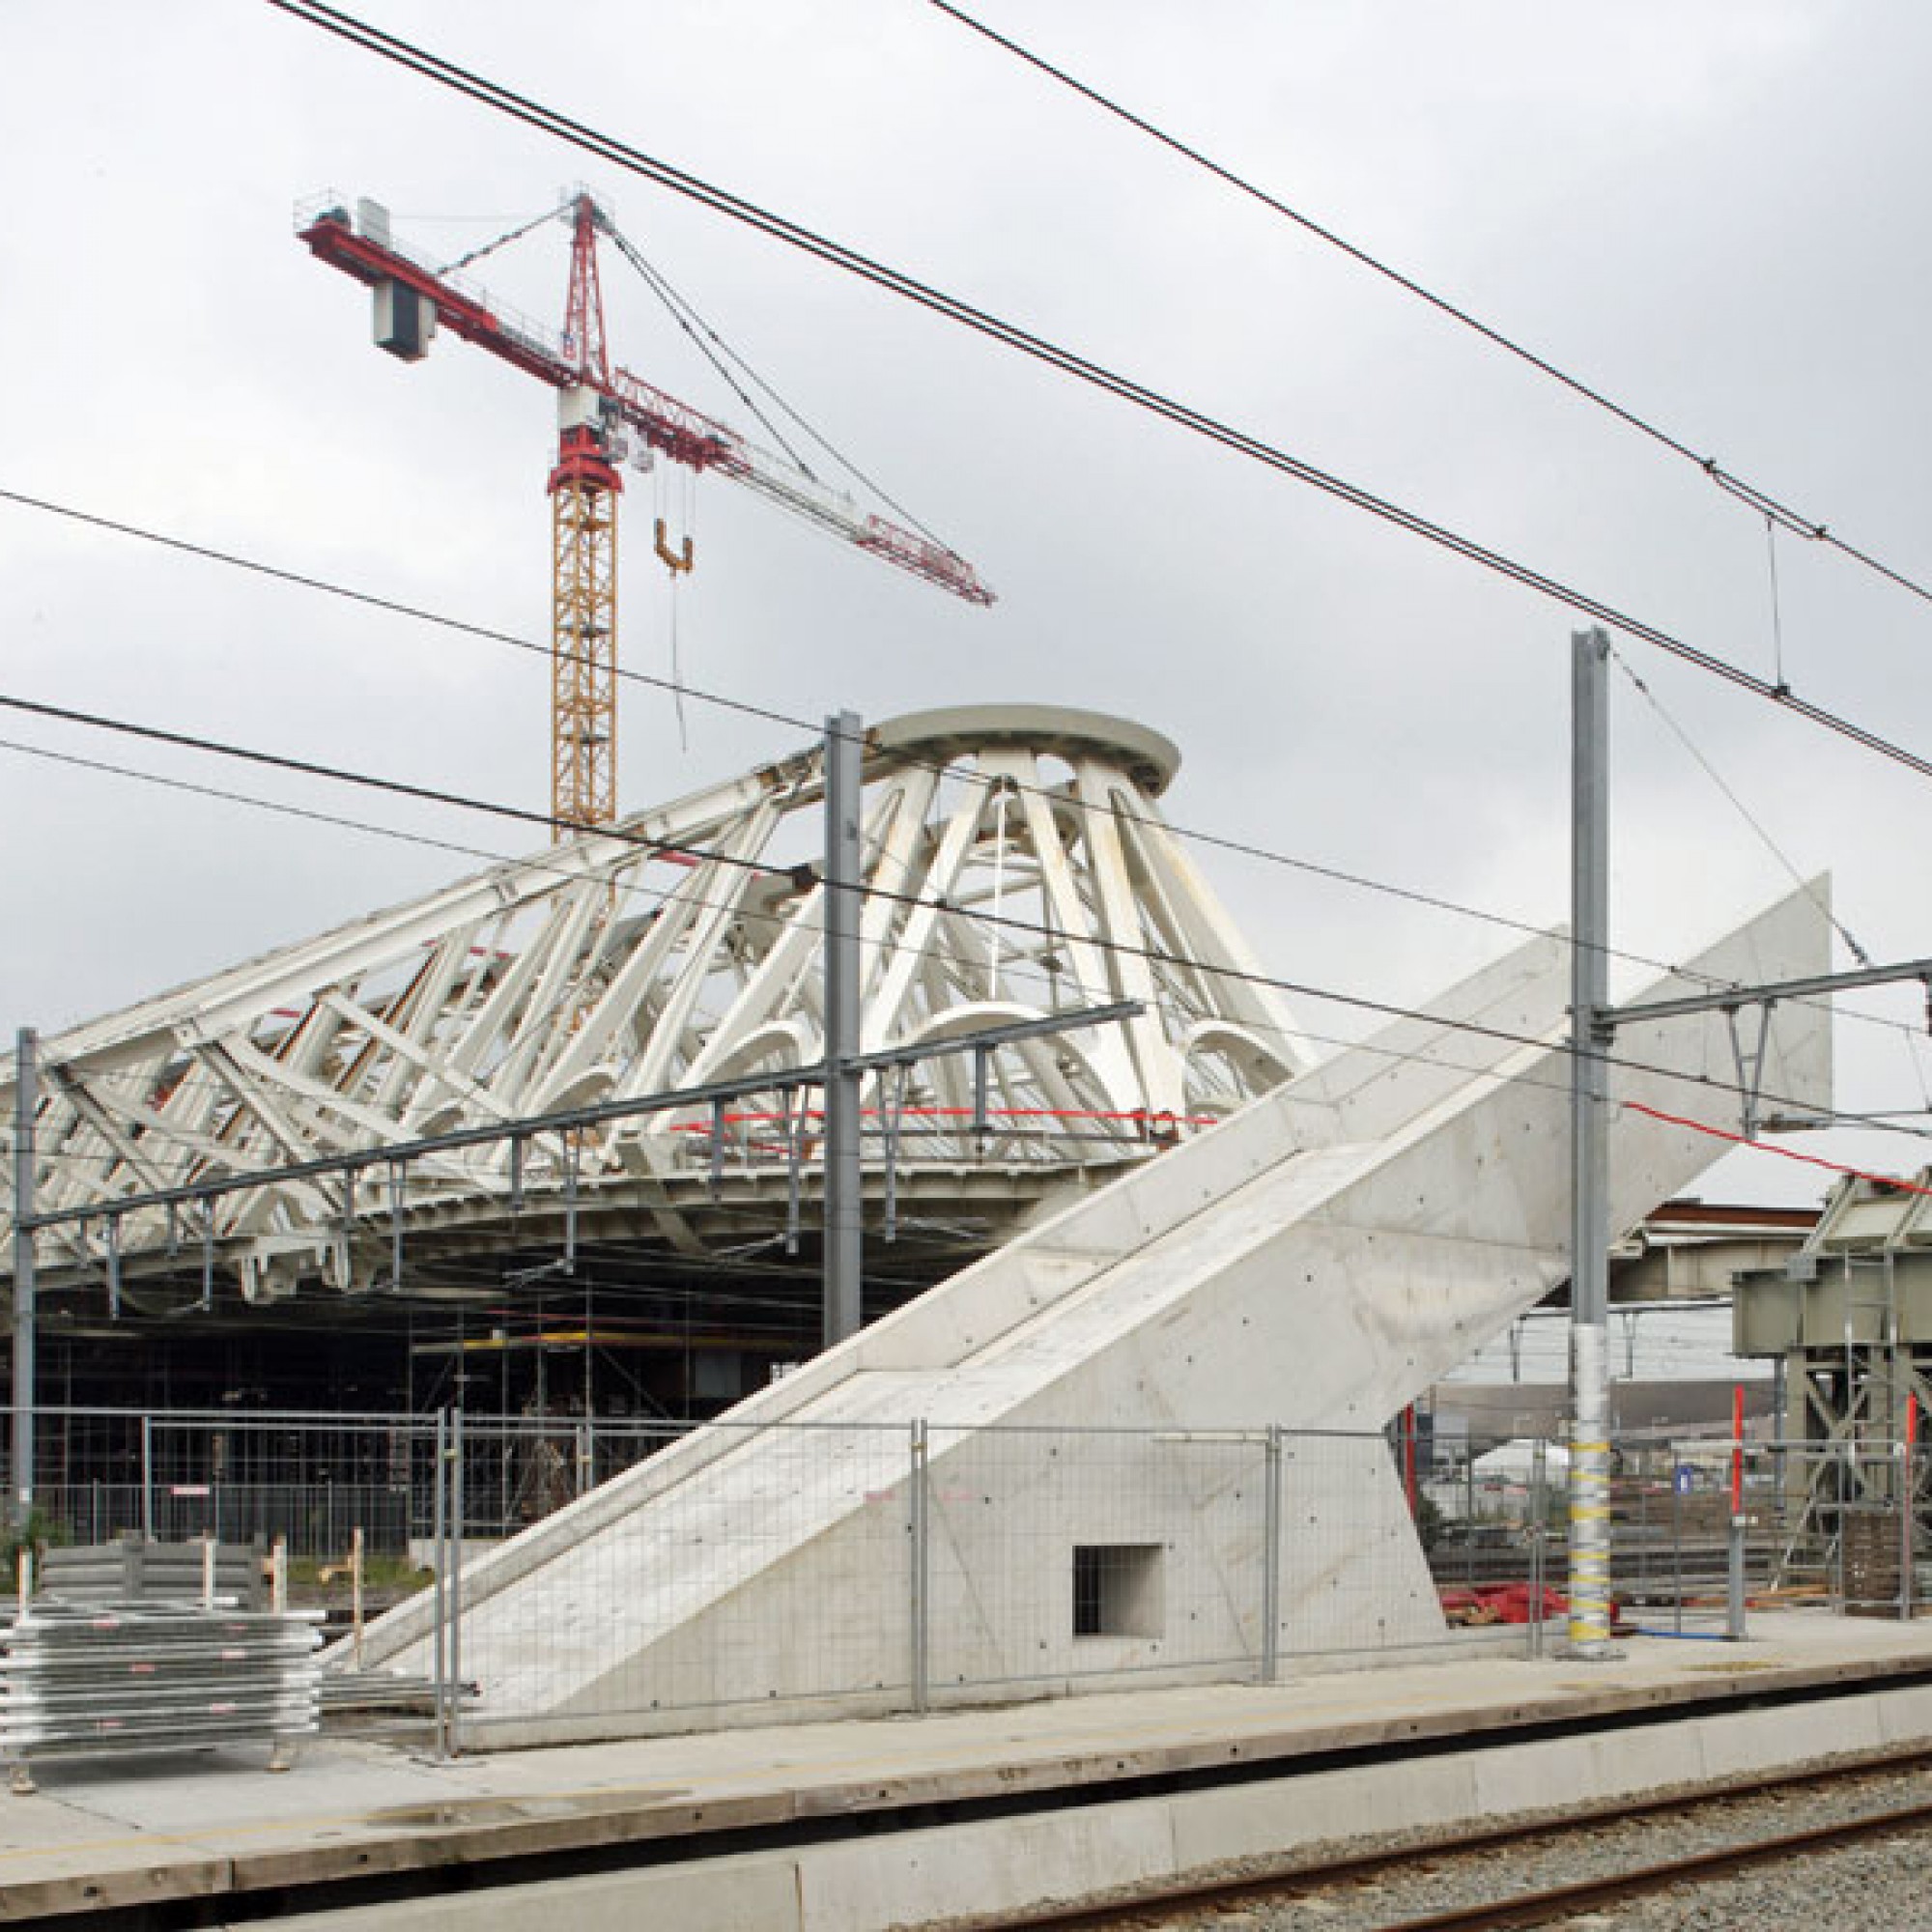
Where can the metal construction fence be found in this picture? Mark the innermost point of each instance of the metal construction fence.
(562, 1576)
(1701, 1525)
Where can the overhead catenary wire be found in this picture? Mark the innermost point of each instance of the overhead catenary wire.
(1034, 928)
(1737, 803)
(1211, 840)
(525, 108)
(1777, 514)
(400, 787)
(1493, 1075)
(738, 706)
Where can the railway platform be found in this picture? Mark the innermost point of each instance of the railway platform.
(952, 1819)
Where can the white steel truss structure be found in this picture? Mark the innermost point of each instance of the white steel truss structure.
(1016, 866)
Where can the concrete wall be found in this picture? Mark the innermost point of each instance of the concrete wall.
(1316, 1262)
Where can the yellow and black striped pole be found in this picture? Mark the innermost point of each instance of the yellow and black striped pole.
(1590, 1235)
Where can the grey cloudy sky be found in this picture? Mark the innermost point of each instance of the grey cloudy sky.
(1710, 212)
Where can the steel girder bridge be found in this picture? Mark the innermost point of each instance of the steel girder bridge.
(1015, 866)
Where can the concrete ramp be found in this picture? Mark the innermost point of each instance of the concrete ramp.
(1316, 1262)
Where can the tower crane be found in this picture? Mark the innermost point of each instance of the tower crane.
(601, 409)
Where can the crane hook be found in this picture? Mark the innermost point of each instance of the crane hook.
(677, 565)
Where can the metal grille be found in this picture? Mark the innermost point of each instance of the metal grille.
(612, 1576)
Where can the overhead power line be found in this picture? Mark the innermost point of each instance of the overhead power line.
(618, 153)
(1751, 494)
(283, 761)
(306, 581)
(1039, 930)
(767, 714)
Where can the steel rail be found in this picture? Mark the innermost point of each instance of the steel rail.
(1539, 1908)
(1290, 1879)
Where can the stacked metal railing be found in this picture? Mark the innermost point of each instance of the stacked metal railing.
(80, 1679)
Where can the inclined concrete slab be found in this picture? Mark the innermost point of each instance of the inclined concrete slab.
(100, 1834)
(1371, 1230)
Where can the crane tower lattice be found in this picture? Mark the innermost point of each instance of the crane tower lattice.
(604, 415)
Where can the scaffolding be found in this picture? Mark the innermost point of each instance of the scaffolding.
(1848, 1319)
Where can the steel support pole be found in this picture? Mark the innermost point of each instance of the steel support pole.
(440, 1543)
(1735, 1551)
(843, 1200)
(26, 1105)
(1589, 1208)
(1538, 1541)
(458, 1518)
(1270, 1646)
(919, 1498)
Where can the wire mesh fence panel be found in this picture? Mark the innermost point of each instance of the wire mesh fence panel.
(173, 1476)
(768, 1568)
(517, 1470)
(1671, 1536)
(601, 1575)
(322, 1486)
(1354, 1576)
(90, 1512)
(329, 1514)
(1056, 1556)
(87, 1473)
(1490, 1517)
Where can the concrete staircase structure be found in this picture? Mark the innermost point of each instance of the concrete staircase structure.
(1315, 1262)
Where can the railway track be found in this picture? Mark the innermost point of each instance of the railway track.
(1511, 1875)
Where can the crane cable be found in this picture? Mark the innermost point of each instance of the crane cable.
(697, 330)
(503, 241)
(701, 332)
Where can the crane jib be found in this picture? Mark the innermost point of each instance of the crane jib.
(410, 292)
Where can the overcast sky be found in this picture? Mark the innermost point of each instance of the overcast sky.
(1711, 213)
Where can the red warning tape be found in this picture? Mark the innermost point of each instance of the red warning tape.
(1783, 1153)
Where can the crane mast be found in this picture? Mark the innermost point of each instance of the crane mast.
(601, 409)
(584, 489)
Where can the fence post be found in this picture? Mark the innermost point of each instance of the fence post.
(1908, 1503)
(1468, 1511)
(147, 1479)
(356, 1593)
(1734, 1593)
(1270, 1659)
(1538, 1528)
(922, 1547)
(1847, 1484)
(456, 1584)
(1676, 1544)
(1734, 1581)
(439, 1557)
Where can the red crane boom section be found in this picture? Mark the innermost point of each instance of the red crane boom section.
(672, 428)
